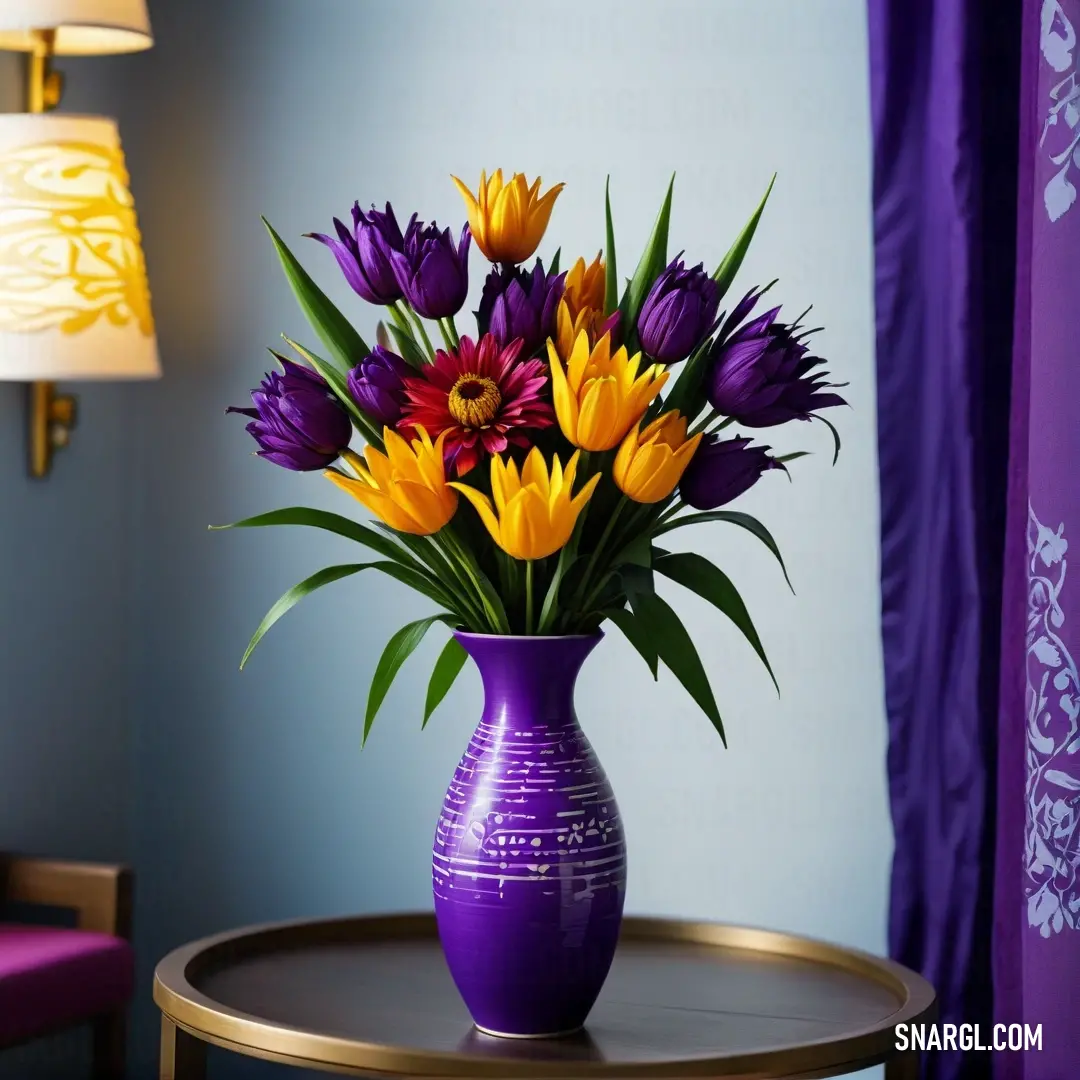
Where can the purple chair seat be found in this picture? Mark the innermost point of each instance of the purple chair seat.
(52, 977)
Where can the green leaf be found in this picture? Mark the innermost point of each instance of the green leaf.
(729, 265)
(733, 517)
(611, 279)
(636, 580)
(634, 632)
(549, 612)
(554, 267)
(793, 457)
(340, 386)
(427, 551)
(686, 395)
(413, 572)
(334, 523)
(447, 668)
(675, 647)
(426, 584)
(653, 261)
(398, 649)
(638, 552)
(297, 593)
(835, 435)
(492, 601)
(411, 353)
(697, 574)
(336, 332)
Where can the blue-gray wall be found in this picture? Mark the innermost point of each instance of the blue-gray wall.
(66, 626)
(65, 619)
(248, 796)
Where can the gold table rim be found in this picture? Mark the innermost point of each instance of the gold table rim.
(858, 1047)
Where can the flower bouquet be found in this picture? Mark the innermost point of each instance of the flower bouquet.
(522, 479)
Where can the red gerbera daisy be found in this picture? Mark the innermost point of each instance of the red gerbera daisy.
(483, 395)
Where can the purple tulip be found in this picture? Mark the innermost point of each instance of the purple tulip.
(431, 272)
(722, 469)
(678, 313)
(364, 253)
(297, 421)
(518, 303)
(376, 385)
(762, 374)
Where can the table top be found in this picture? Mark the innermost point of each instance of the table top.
(373, 994)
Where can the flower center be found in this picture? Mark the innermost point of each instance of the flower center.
(474, 401)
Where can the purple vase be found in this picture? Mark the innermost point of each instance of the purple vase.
(529, 865)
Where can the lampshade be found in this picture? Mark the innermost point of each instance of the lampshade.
(83, 27)
(74, 299)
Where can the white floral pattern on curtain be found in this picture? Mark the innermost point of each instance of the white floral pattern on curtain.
(1052, 850)
(1061, 126)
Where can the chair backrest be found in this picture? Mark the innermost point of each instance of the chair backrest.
(100, 895)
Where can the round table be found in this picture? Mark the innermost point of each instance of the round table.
(372, 995)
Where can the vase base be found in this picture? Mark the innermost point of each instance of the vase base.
(541, 1035)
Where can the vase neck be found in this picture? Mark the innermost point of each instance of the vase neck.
(528, 680)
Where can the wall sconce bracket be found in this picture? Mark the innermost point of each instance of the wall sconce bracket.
(96, 321)
(52, 417)
(52, 89)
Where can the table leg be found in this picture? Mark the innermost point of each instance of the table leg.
(110, 1045)
(183, 1057)
(903, 1067)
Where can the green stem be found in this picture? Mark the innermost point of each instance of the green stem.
(670, 512)
(418, 323)
(604, 537)
(638, 522)
(638, 517)
(462, 590)
(452, 327)
(703, 424)
(595, 593)
(498, 625)
(584, 462)
(401, 320)
(528, 596)
(723, 424)
(462, 564)
(454, 568)
(448, 338)
(508, 575)
(504, 572)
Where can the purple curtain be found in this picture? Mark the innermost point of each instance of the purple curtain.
(1037, 901)
(944, 89)
(976, 112)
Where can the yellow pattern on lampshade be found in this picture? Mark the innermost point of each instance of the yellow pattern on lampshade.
(83, 27)
(74, 298)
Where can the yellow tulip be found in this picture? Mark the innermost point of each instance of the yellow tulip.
(569, 325)
(581, 306)
(534, 512)
(584, 286)
(600, 396)
(405, 487)
(651, 462)
(508, 221)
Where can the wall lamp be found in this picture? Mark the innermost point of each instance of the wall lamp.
(74, 298)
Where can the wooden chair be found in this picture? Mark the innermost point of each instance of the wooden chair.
(52, 978)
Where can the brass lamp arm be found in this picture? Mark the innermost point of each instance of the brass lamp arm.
(45, 85)
(50, 416)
